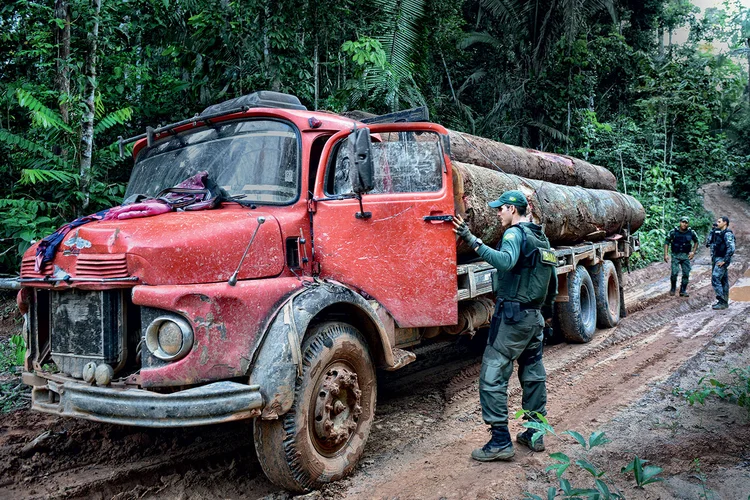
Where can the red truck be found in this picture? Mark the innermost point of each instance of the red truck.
(336, 255)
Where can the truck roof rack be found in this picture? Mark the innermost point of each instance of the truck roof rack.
(259, 99)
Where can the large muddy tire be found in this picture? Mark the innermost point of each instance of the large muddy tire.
(577, 317)
(322, 437)
(607, 291)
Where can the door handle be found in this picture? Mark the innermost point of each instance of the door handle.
(438, 218)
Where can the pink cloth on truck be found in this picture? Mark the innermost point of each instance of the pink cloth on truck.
(144, 209)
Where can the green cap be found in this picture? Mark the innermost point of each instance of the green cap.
(684, 219)
(510, 198)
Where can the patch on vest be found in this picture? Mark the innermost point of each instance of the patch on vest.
(508, 236)
(548, 257)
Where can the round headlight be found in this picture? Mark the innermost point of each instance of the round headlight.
(169, 337)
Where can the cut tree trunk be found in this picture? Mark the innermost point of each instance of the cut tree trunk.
(569, 214)
(560, 169)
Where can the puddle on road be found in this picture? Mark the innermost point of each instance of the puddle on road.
(740, 292)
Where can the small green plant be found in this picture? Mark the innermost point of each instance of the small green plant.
(13, 393)
(603, 487)
(19, 349)
(643, 474)
(707, 493)
(737, 390)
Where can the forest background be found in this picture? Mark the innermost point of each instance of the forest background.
(597, 79)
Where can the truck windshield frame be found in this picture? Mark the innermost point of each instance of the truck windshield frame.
(258, 159)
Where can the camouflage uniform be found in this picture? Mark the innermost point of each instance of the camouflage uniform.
(681, 244)
(521, 341)
(525, 282)
(722, 250)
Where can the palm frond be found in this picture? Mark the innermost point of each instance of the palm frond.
(34, 176)
(41, 114)
(118, 117)
(32, 147)
(551, 131)
(472, 79)
(508, 10)
(474, 38)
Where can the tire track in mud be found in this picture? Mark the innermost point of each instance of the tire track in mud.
(427, 418)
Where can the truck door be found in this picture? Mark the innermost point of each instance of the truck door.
(402, 251)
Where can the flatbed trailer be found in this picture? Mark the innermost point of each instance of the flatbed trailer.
(597, 300)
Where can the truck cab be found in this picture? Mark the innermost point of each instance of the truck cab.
(333, 253)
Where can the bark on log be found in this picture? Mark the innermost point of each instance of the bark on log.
(559, 169)
(569, 214)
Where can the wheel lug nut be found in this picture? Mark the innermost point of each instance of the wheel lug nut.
(338, 407)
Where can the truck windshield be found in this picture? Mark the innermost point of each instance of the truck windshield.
(258, 159)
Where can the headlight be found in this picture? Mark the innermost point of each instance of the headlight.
(169, 337)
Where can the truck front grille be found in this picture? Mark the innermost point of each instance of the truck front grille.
(86, 326)
(27, 268)
(101, 266)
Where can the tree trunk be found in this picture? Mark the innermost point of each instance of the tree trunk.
(62, 69)
(87, 122)
(569, 214)
(317, 74)
(660, 36)
(549, 167)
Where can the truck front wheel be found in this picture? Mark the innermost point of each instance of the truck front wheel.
(577, 317)
(321, 438)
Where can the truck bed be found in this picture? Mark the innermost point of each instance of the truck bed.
(475, 278)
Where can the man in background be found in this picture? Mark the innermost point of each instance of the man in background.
(722, 250)
(683, 242)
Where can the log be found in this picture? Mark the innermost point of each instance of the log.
(529, 163)
(569, 214)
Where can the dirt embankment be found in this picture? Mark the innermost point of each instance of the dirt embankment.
(428, 418)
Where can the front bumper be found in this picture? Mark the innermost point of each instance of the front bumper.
(209, 404)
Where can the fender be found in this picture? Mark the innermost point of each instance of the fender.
(278, 361)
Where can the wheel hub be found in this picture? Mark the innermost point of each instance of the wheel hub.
(337, 407)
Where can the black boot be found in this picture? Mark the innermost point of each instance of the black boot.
(526, 438)
(498, 448)
(683, 290)
(673, 290)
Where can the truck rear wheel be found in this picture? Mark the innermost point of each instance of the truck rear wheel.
(577, 317)
(607, 290)
(321, 438)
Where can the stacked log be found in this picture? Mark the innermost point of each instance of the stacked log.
(569, 214)
(559, 169)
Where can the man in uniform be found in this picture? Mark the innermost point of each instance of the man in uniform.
(722, 250)
(683, 242)
(524, 283)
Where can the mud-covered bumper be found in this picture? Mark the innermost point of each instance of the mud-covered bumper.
(209, 404)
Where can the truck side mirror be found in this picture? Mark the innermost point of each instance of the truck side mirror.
(360, 161)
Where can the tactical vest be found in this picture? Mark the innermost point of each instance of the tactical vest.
(682, 242)
(528, 281)
(720, 243)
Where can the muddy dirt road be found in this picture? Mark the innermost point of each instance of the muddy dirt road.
(428, 418)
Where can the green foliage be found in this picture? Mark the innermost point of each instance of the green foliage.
(12, 392)
(736, 391)
(19, 348)
(581, 77)
(603, 486)
(643, 474)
